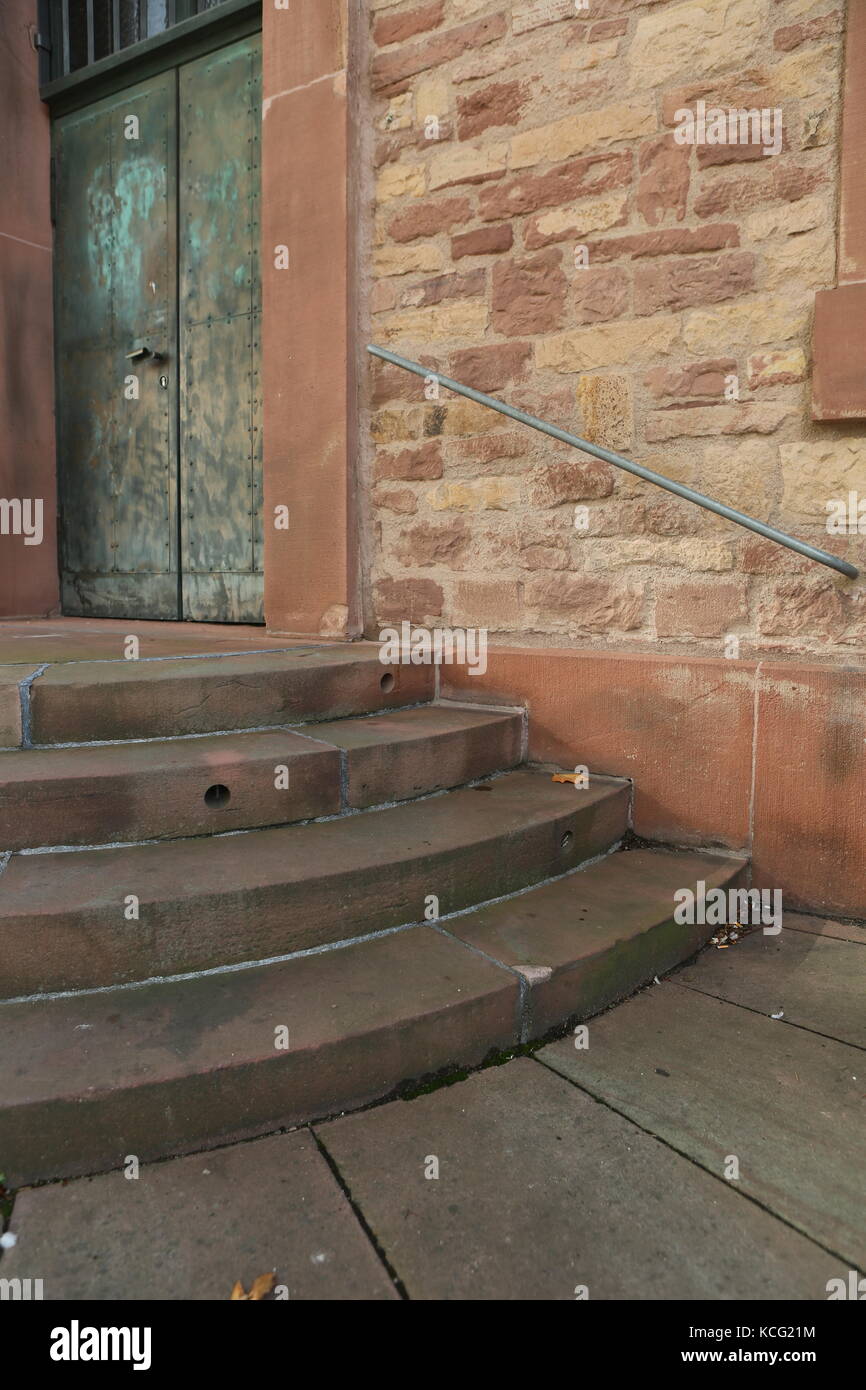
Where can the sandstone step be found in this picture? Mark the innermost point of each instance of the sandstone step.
(166, 1067)
(591, 938)
(104, 793)
(407, 753)
(88, 794)
(88, 918)
(78, 702)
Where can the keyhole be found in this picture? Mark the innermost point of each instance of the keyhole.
(217, 796)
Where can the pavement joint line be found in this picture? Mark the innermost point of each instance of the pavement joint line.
(695, 1162)
(749, 1008)
(358, 1213)
(24, 697)
(345, 942)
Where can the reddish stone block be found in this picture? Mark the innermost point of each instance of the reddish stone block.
(490, 368)
(679, 284)
(802, 608)
(573, 480)
(390, 69)
(483, 241)
(465, 285)
(500, 104)
(607, 29)
(680, 726)
(663, 185)
(529, 294)
(700, 609)
(838, 384)
(486, 448)
(710, 155)
(390, 383)
(488, 603)
(401, 500)
(415, 600)
(395, 28)
(670, 241)
(411, 465)
(810, 787)
(591, 605)
(791, 36)
(736, 194)
(432, 543)
(429, 218)
(576, 179)
(692, 379)
(601, 294)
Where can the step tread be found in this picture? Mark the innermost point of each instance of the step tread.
(213, 865)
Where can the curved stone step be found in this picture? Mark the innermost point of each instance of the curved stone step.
(79, 702)
(165, 1068)
(82, 919)
(165, 788)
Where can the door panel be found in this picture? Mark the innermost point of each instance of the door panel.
(157, 246)
(116, 288)
(220, 430)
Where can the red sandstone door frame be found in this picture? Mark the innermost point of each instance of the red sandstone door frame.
(308, 336)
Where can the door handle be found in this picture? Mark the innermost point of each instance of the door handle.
(141, 354)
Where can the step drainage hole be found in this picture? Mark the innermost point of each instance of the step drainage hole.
(387, 682)
(217, 796)
(565, 842)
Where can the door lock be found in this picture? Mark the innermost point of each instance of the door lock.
(141, 354)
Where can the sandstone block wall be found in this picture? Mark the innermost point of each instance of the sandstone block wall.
(508, 136)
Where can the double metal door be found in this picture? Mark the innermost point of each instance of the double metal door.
(158, 313)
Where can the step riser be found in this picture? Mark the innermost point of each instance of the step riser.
(72, 1138)
(165, 801)
(127, 793)
(96, 946)
(163, 699)
(398, 771)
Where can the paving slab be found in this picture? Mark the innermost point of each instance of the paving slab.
(815, 981)
(826, 926)
(715, 1080)
(190, 1228)
(542, 1190)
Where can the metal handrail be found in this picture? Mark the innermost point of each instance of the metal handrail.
(802, 547)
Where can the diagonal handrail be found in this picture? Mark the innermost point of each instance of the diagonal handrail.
(822, 557)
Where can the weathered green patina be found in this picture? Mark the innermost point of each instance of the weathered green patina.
(157, 193)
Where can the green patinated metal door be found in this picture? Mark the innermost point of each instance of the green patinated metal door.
(157, 336)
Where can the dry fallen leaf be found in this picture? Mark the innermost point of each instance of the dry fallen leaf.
(565, 777)
(260, 1289)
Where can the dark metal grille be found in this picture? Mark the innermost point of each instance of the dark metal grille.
(83, 31)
